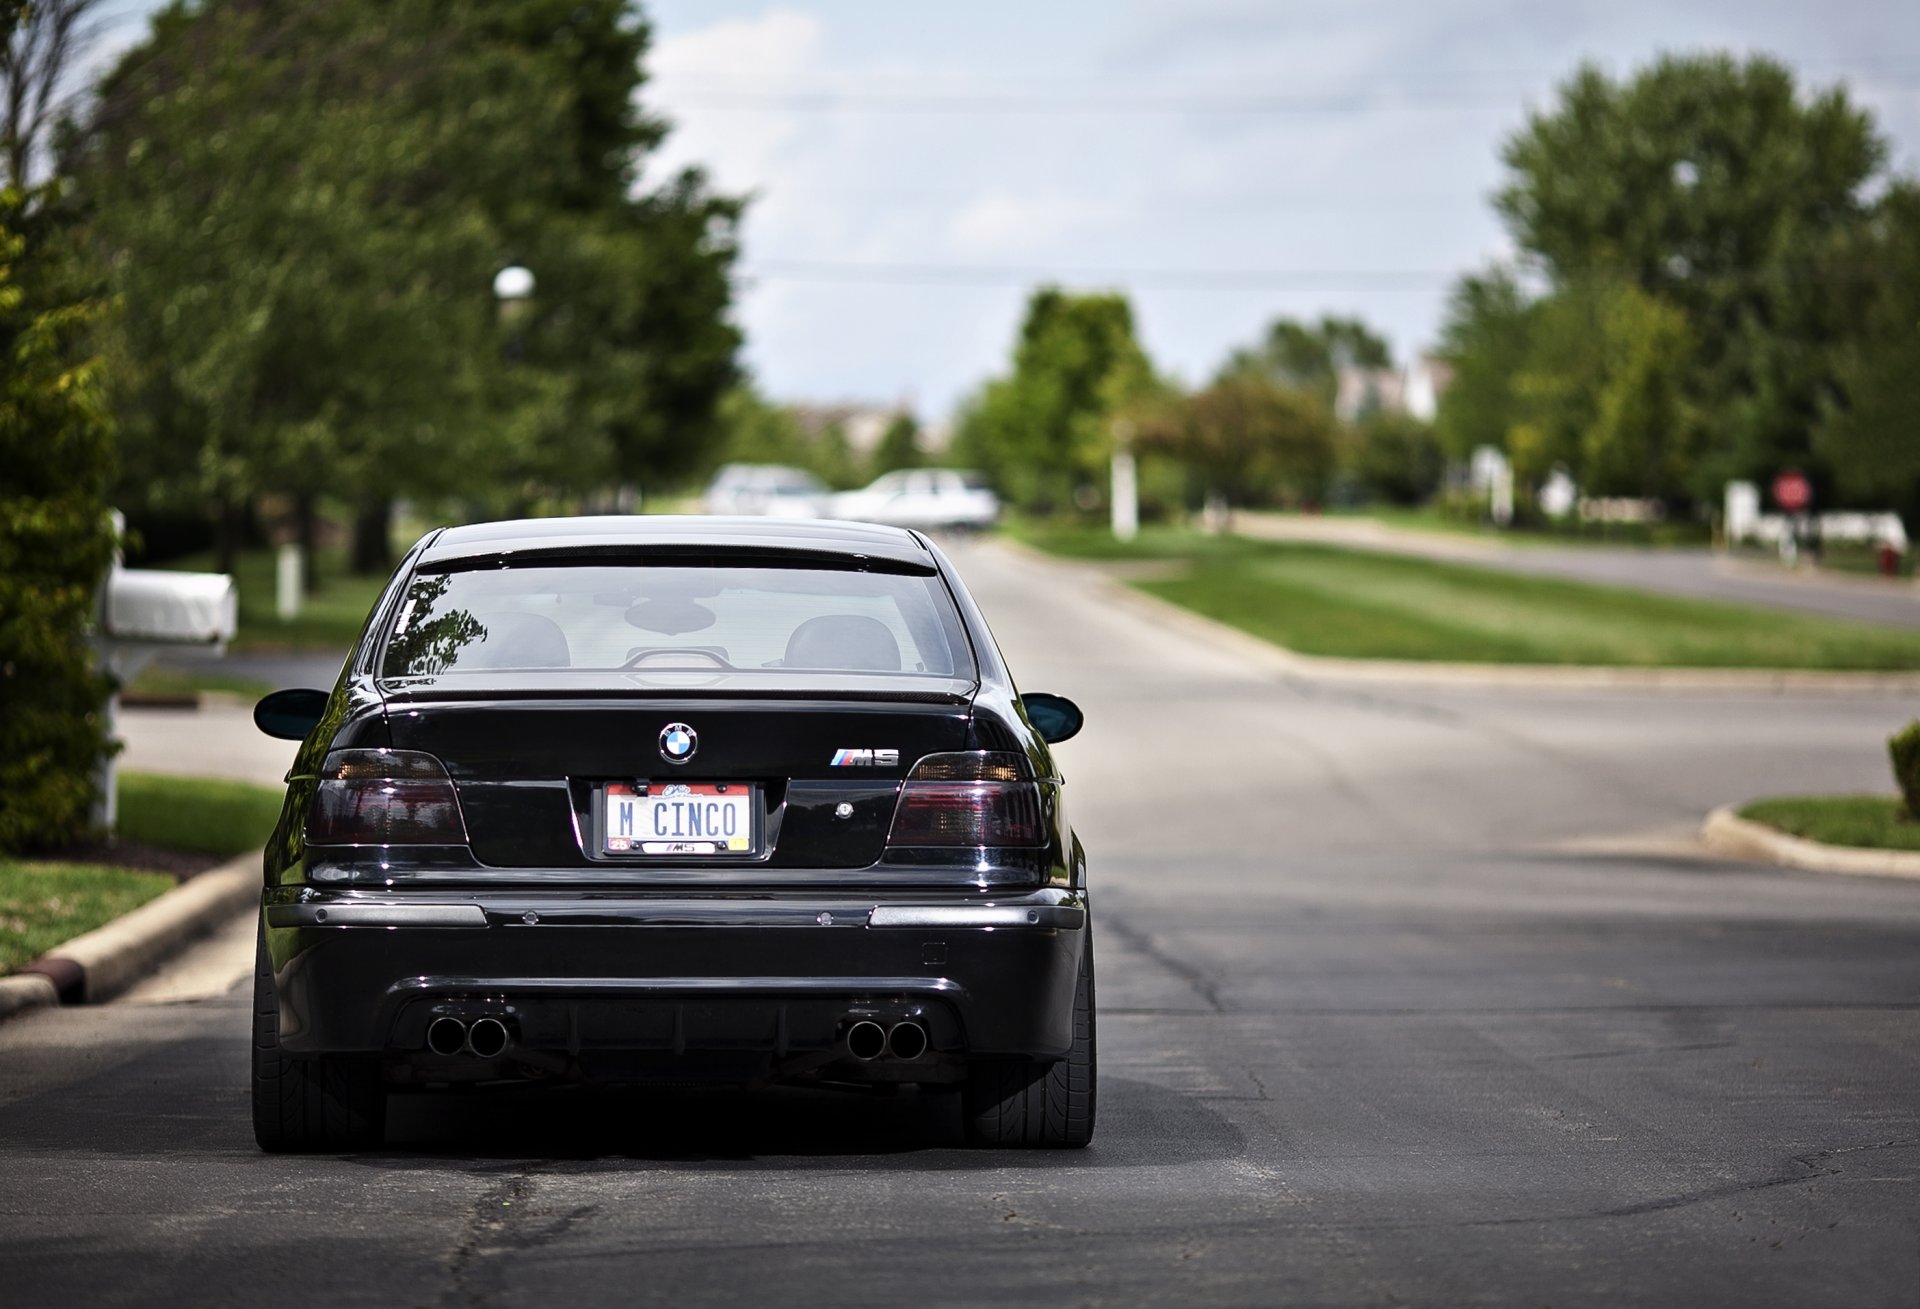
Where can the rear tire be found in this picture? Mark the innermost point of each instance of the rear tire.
(1040, 1104)
(331, 1103)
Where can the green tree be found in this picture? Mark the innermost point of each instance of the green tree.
(1310, 356)
(1396, 458)
(1247, 437)
(1485, 340)
(1047, 428)
(1868, 433)
(899, 446)
(305, 206)
(56, 461)
(1714, 186)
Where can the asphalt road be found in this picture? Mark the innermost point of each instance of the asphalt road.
(1695, 573)
(1407, 998)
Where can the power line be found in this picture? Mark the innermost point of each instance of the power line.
(839, 102)
(1209, 279)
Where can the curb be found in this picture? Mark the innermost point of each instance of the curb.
(1727, 833)
(1417, 672)
(100, 964)
(25, 991)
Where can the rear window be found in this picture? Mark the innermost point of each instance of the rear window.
(598, 624)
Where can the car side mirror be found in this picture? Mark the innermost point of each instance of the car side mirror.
(290, 715)
(1055, 717)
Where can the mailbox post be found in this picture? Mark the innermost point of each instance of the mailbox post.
(146, 612)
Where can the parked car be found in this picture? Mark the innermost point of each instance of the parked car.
(922, 497)
(618, 800)
(769, 490)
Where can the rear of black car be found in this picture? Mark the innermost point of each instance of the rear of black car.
(640, 800)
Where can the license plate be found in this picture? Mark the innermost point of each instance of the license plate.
(679, 818)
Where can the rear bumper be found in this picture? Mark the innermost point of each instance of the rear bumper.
(584, 974)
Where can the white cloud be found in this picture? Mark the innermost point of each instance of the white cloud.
(1003, 224)
(738, 150)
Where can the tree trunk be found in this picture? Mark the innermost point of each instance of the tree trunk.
(226, 535)
(372, 552)
(306, 536)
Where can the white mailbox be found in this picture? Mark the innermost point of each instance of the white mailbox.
(152, 606)
(146, 612)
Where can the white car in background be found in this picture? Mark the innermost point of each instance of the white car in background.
(767, 490)
(922, 497)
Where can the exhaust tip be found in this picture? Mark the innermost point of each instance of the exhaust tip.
(907, 1041)
(446, 1035)
(487, 1037)
(866, 1040)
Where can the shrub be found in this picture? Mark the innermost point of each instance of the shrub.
(1904, 748)
(56, 448)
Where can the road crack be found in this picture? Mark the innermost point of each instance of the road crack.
(1202, 985)
(505, 1219)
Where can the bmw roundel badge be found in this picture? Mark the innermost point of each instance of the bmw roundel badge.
(678, 742)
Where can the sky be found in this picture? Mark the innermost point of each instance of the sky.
(915, 169)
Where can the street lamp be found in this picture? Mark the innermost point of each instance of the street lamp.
(513, 284)
(513, 292)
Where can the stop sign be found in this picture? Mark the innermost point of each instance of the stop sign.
(1792, 492)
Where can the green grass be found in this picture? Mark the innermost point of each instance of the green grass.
(164, 679)
(1864, 820)
(1323, 600)
(330, 618)
(198, 814)
(42, 905)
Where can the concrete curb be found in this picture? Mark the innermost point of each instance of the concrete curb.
(25, 991)
(100, 964)
(1727, 833)
(1416, 672)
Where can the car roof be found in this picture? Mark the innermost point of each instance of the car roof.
(676, 534)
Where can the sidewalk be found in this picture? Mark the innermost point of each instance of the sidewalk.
(1696, 573)
(216, 740)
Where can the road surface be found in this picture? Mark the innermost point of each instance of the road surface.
(1407, 998)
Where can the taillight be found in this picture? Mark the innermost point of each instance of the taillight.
(384, 797)
(974, 798)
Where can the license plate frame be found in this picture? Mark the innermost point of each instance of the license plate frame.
(681, 811)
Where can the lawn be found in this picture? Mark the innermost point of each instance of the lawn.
(1325, 600)
(1866, 820)
(45, 903)
(330, 619)
(42, 905)
(202, 815)
(169, 679)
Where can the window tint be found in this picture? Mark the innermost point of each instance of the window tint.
(784, 625)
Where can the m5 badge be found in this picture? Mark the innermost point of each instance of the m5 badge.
(866, 758)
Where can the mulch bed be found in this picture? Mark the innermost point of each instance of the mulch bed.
(179, 864)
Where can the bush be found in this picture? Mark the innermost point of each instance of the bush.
(1904, 748)
(56, 449)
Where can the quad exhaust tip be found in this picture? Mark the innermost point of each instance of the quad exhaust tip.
(446, 1036)
(907, 1041)
(487, 1038)
(866, 1040)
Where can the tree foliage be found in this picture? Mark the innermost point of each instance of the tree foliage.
(1047, 428)
(1870, 432)
(56, 461)
(1248, 437)
(1697, 283)
(1311, 356)
(305, 206)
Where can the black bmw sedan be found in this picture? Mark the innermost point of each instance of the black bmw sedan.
(619, 800)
